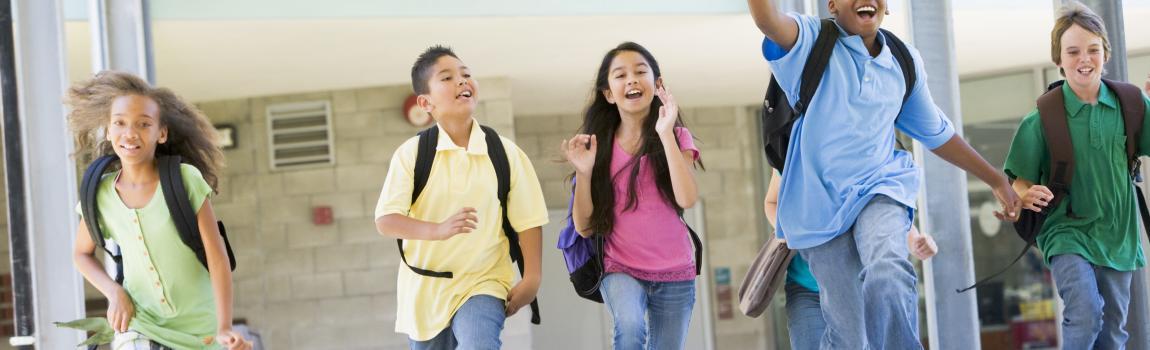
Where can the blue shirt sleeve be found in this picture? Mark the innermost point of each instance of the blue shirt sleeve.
(920, 118)
(787, 66)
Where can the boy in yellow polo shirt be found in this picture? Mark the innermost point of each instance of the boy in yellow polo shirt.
(455, 224)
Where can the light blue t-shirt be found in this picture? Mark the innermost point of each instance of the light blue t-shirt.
(844, 155)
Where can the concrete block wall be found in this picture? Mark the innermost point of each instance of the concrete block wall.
(306, 286)
(731, 189)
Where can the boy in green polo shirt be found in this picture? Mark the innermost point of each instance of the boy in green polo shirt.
(455, 224)
(1093, 251)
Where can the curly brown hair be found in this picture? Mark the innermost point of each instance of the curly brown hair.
(190, 133)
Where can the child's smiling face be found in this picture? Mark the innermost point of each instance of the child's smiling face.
(451, 90)
(859, 17)
(134, 128)
(632, 83)
(1083, 55)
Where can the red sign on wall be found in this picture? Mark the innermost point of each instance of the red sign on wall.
(321, 215)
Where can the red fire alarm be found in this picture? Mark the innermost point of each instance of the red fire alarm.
(321, 215)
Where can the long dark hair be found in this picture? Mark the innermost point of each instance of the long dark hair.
(190, 134)
(602, 119)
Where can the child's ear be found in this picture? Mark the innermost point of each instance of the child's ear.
(607, 94)
(163, 134)
(424, 103)
(659, 83)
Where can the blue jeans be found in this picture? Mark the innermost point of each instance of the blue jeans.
(648, 315)
(867, 284)
(1096, 300)
(804, 317)
(476, 325)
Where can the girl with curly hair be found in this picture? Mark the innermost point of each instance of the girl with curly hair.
(168, 300)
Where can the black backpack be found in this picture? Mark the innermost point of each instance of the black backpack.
(778, 116)
(425, 156)
(1052, 111)
(175, 196)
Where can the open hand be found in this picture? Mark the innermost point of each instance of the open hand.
(1008, 199)
(668, 113)
(1036, 198)
(580, 152)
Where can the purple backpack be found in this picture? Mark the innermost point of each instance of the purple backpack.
(583, 257)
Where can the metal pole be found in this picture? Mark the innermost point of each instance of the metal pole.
(952, 318)
(122, 37)
(14, 168)
(33, 86)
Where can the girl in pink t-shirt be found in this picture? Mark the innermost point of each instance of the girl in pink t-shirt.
(633, 192)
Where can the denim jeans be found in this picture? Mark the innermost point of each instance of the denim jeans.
(648, 315)
(1096, 300)
(867, 284)
(804, 317)
(476, 325)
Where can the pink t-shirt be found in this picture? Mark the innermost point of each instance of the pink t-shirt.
(649, 242)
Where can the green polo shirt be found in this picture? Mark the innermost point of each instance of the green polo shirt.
(170, 289)
(1105, 232)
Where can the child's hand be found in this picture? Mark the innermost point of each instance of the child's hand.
(522, 294)
(1036, 198)
(921, 246)
(463, 221)
(232, 340)
(668, 114)
(1008, 199)
(580, 152)
(120, 311)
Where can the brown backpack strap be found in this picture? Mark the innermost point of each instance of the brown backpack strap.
(1052, 110)
(1133, 112)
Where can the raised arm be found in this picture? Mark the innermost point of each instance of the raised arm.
(777, 26)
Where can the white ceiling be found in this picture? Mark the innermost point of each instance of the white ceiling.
(706, 59)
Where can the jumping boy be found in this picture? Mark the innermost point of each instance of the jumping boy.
(847, 197)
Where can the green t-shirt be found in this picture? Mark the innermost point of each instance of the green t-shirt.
(170, 289)
(1105, 232)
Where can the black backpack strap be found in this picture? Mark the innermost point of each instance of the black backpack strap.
(698, 249)
(499, 160)
(424, 157)
(902, 55)
(182, 212)
(996, 274)
(906, 62)
(816, 64)
(89, 188)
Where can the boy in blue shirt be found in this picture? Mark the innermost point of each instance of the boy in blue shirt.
(847, 197)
